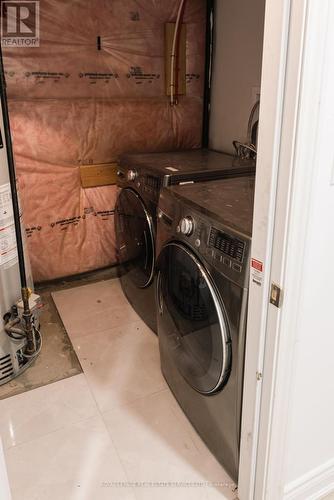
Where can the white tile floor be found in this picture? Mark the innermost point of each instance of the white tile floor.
(95, 435)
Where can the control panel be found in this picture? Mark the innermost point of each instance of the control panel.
(223, 250)
(216, 245)
(232, 247)
(143, 182)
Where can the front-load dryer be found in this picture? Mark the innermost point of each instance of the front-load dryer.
(203, 241)
(140, 179)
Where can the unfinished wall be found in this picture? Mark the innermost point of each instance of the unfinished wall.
(237, 69)
(79, 100)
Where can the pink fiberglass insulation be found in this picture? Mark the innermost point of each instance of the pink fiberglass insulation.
(95, 88)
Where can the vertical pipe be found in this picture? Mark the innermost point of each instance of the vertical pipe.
(208, 71)
(12, 176)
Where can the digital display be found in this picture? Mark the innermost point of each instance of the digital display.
(232, 247)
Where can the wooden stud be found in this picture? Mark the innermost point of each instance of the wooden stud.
(103, 174)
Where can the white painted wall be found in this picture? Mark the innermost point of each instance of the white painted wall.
(310, 442)
(236, 69)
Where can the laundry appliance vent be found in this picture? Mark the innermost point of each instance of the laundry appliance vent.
(6, 367)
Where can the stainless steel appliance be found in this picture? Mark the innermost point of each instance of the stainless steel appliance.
(141, 178)
(203, 242)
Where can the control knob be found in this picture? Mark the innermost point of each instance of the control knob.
(131, 175)
(186, 226)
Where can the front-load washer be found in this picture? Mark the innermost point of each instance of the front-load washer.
(203, 241)
(140, 179)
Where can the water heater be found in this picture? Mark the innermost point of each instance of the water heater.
(14, 357)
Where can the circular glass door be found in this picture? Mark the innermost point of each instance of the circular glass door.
(135, 239)
(192, 321)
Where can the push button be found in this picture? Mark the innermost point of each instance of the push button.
(226, 262)
(237, 267)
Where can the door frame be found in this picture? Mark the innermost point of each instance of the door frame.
(304, 139)
(274, 68)
(295, 47)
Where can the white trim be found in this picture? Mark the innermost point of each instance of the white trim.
(300, 143)
(312, 486)
(271, 112)
(274, 406)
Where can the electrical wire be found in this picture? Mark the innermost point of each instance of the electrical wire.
(250, 121)
(174, 54)
(239, 146)
(244, 149)
(177, 54)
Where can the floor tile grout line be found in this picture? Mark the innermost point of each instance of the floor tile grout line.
(72, 339)
(122, 405)
(104, 414)
(110, 437)
(63, 294)
(97, 332)
(134, 401)
(175, 413)
(40, 387)
(41, 436)
(116, 450)
(128, 478)
(102, 282)
(78, 420)
(137, 320)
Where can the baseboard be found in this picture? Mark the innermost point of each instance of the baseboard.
(314, 485)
